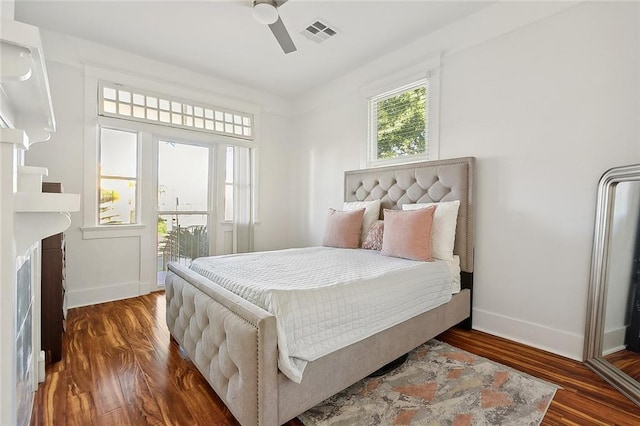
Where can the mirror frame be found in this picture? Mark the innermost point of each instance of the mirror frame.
(597, 301)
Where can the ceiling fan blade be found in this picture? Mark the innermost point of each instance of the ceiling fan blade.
(282, 35)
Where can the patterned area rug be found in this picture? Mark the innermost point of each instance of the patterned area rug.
(439, 385)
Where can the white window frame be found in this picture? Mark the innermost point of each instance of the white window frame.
(94, 75)
(145, 233)
(395, 84)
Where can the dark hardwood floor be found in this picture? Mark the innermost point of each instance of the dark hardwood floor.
(626, 361)
(120, 367)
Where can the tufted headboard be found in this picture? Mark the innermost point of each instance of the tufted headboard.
(424, 182)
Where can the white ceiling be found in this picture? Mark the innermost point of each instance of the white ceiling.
(221, 38)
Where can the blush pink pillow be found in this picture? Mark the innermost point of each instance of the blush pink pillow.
(407, 234)
(343, 229)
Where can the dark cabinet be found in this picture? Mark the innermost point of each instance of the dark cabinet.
(53, 289)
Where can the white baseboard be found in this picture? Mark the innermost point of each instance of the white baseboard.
(559, 342)
(95, 295)
(613, 340)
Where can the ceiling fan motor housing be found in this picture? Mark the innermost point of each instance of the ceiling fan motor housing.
(265, 11)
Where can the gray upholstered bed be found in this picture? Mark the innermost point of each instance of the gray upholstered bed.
(234, 344)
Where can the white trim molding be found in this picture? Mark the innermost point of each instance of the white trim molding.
(101, 294)
(538, 336)
(111, 231)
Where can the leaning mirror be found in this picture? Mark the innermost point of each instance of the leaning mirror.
(612, 339)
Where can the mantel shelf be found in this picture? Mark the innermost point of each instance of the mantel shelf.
(40, 215)
(24, 81)
(30, 202)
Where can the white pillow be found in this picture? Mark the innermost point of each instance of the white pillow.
(443, 230)
(371, 214)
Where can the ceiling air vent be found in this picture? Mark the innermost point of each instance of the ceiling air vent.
(318, 32)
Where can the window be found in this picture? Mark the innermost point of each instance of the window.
(399, 121)
(228, 185)
(134, 104)
(118, 177)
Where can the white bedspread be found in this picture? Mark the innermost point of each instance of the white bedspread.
(327, 298)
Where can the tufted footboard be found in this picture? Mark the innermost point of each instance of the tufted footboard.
(232, 342)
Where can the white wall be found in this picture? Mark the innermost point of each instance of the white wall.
(7, 9)
(277, 198)
(546, 108)
(106, 269)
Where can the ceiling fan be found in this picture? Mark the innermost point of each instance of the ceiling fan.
(266, 12)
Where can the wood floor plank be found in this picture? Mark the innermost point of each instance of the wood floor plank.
(105, 370)
(119, 416)
(199, 401)
(626, 361)
(46, 410)
(80, 410)
(159, 377)
(120, 367)
(141, 404)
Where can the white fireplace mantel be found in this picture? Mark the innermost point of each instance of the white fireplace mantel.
(24, 80)
(26, 214)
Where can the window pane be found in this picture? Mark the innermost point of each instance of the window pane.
(183, 176)
(110, 107)
(229, 166)
(181, 238)
(228, 202)
(117, 201)
(138, 112)
(138, 99)
(124, 96)
(124, 109)
(118, 153)
(109, 93)
(401, 124)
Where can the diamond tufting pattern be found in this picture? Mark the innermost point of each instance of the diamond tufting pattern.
(208, 332)
(425, 182)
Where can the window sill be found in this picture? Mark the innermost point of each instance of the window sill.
(111, 231)
(399, 160)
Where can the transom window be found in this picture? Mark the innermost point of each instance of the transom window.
(139, 105)
(399, 121)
